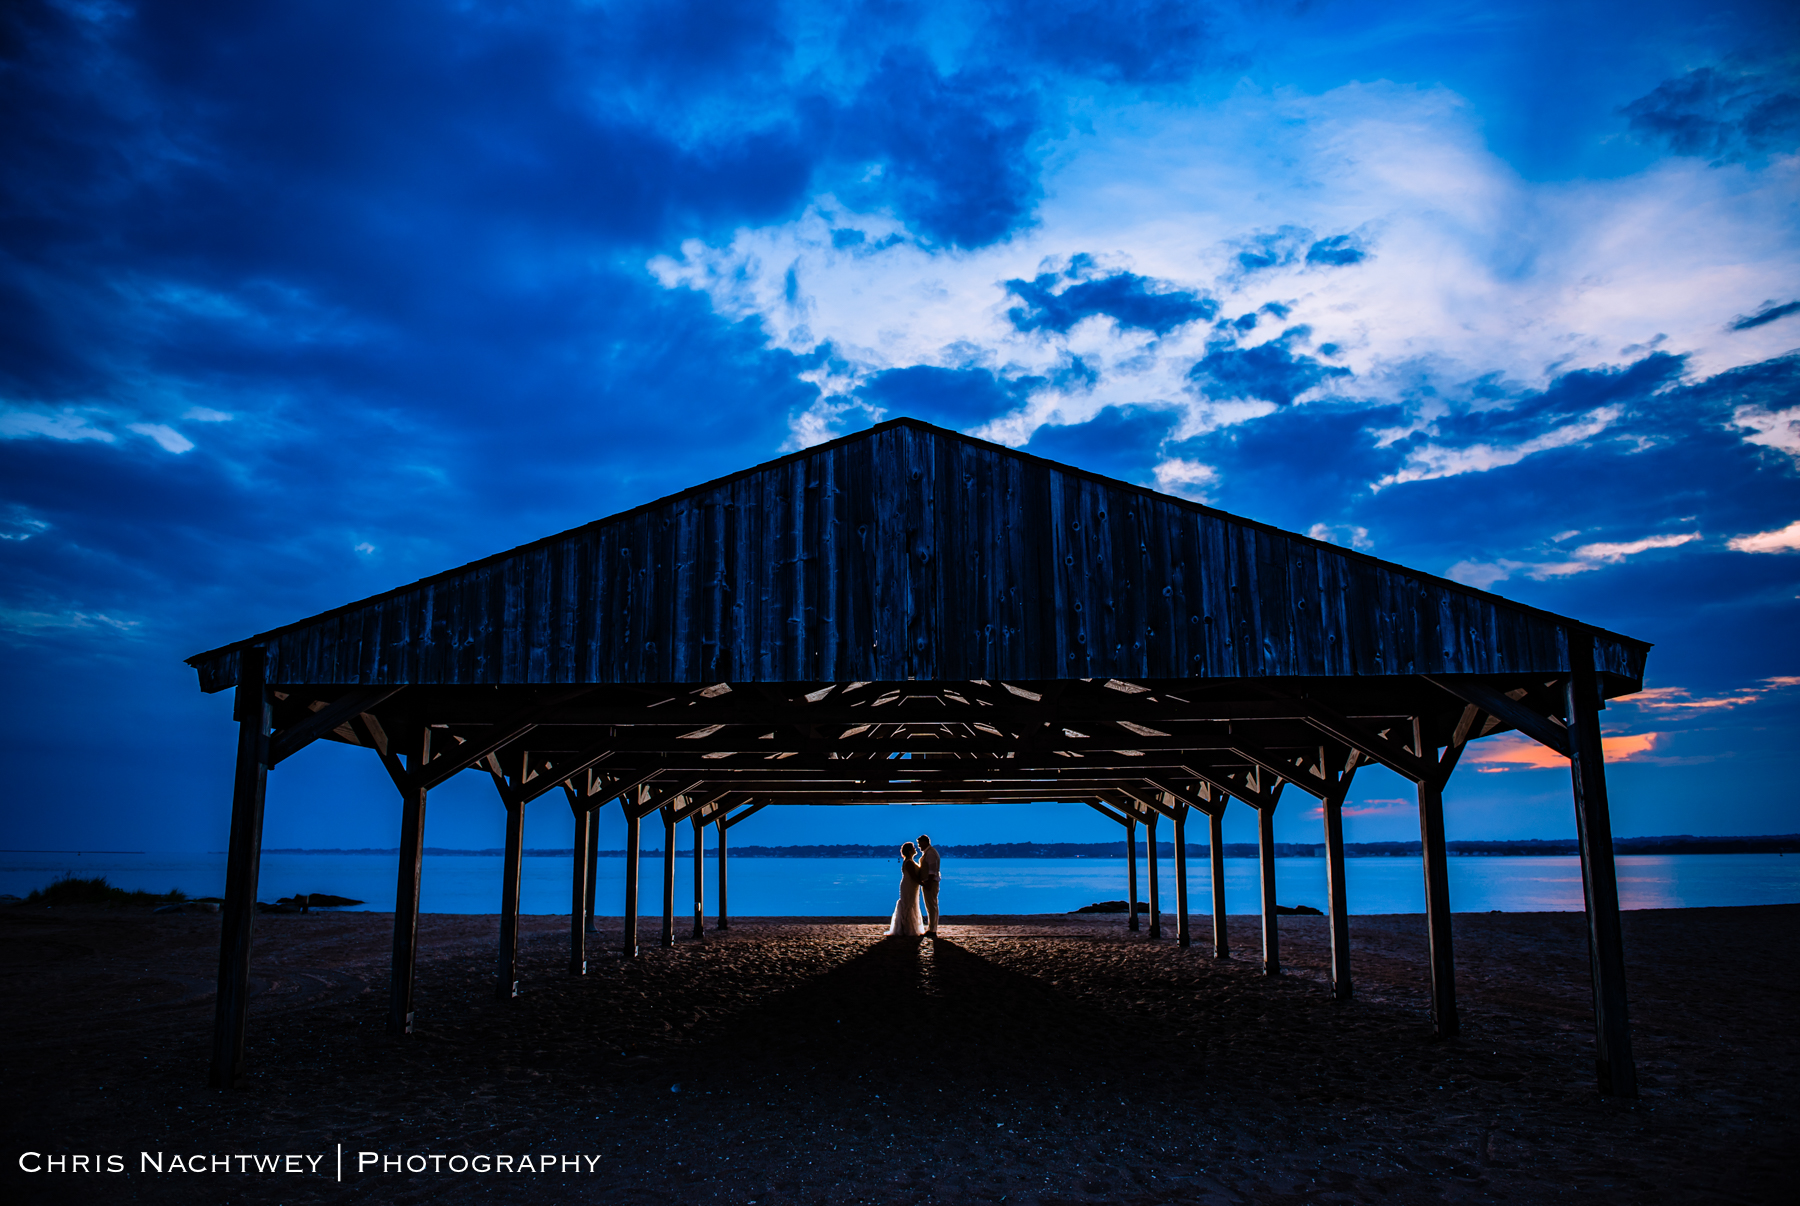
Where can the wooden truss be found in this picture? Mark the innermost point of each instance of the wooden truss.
(1139, 752)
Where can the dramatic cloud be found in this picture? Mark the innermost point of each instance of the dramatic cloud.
(1768, 313)
(304, 302)
(1511, 752)
(1056, 301)
(1779, 429)
(1722, 114)
(1781, 540)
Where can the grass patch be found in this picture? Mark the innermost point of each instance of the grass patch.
(73, 890)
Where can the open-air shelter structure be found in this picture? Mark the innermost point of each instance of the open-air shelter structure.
(910, 615)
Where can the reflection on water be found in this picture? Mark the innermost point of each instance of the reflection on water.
(867, 887)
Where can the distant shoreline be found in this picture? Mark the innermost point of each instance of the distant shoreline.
(1679, 844)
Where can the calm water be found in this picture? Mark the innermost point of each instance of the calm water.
(866, 887)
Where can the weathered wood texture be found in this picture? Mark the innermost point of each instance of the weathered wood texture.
(910, 552)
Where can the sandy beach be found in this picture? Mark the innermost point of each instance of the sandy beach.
(1017, 1059)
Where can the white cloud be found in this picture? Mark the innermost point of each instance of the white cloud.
(29, 623)
(64, 424)
(206, 414)
(365, 548)
(1473, 270)
(1781, 540)
(1779, 429)
(1342, 534)
(1611, 553)
(1482, 575)
(166, 437)
(20, 524)
(1189, 479)
(1432, 461)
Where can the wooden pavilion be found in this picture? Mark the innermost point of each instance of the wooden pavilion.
(909, 615)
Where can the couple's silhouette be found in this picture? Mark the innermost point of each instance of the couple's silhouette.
(918, 877)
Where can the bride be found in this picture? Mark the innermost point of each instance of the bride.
(906, 922)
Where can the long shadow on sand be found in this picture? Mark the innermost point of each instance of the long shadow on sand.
(920, 1010)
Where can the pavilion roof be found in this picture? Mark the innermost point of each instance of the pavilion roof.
(909, 552)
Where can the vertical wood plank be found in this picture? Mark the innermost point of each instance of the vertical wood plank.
(1265, 855)
(632, 827)
(1216, 859)
(1151, 855)
(506, 980)
(579, 888)
(242, 868)
(1613, 1060)
(406, 892)
(1131, 901)
(1182, 938)
(668, 884)
(724, 915)
(1437, 910)
(699, 879)
(1338, 898)
(593, 864)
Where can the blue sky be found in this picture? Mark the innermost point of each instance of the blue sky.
(307, 301)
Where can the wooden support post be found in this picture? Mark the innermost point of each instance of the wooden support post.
(724, 918)
(1338, 904)
(1599, 884)
(632, 826)
(1437, 910)
(699, 879)
(1182, 938)
(506, 982)
(1216, 853)
(1131, 872)
(1150, 853)
(406, 890)
(1265, 854)
(593, 861)
(668, 886)
(243, 863)
(579, 888)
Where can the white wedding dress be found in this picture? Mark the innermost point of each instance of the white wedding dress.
(906, 922)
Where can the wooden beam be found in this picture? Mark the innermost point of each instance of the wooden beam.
(1131, 872)
(1444, 1020)
(1150, 854)
(369, 729)
(1540, 728)
(579, 889)
(1103, 810)
(406, 891)
(243, 865)
(509, 729)
(593, 864)
(506, 982)
(1613, 1061)
(304, 732)
(1359, 736)
(724, 915)
(653, 796)
(1201, 801)
(632, 824)
(734, 818)
(1337, 898)
(668, 884)
(1216, 852)
(698, 820)
(1265, 855)
(1182, 938)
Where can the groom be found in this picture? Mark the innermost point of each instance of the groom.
(928, 882)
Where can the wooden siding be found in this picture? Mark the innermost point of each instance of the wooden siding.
(911, 552)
